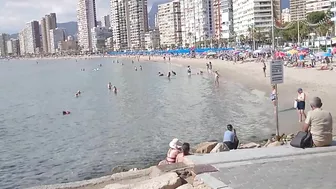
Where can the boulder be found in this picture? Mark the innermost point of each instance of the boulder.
(186, 186)
(220, 147)
(166, 181)
(250, 145)
(205, 147)
(276, 143)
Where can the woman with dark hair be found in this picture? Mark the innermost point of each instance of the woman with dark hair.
(185, 151)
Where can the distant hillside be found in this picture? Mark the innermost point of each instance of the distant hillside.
(70, 27)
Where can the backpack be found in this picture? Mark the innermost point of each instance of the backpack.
(302, 140)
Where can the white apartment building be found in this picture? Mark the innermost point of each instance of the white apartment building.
(197, 21)
(9, 45)
(169, 22)
(13, 47)
(285, 15)
(32, 38)
(317, 5)
(223, 18)
(22, 38)
(3, 44)
(152, 39)
(298, 10)
(56, 36)
(254, 14)
(86, 17)
(99, 36)
(119, 24)
(138, 23)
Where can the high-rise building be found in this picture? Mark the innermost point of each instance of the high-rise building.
(56, 35)
(298, 10)
(138, 23)
(22, 40)
(197, 21)
(169, 21)
(152, 39)
(3, 44)
(99, 36)
(223, 18)
(317, 5)
(49, 22)
(86, 17)
(106, 21)
(30, 37)
(254, 14)
(285, 15)
(120, 24)
(13, 47)
(333, 10)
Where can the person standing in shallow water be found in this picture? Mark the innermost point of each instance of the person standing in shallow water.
(264, 67)
(216, 78)
(189, 71)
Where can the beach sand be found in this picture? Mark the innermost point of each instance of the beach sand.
(313, 82)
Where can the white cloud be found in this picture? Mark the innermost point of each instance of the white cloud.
(15, 13)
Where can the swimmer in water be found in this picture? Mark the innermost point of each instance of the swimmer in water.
(140, 67)
(132, 61)
(160, 74)
(115, 90)
(66, 112)
(173, 72)
(135, 68)
(109, 86)
(189, 71)
(169, 74)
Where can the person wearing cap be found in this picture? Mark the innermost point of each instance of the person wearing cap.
(174, 150)
(319, 122)
(230, 138)
(301, 103)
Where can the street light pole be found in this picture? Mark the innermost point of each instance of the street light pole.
(272, 17)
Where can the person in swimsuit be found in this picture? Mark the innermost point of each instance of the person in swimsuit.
(169, 74)
(189, 71)
(109, 86)
(115, 90)
(140, 67)
(216, 78)
(301, 103)
(264, 67)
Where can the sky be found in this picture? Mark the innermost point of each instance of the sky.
(15, 13)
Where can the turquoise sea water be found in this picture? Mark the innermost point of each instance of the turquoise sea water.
(38, 145)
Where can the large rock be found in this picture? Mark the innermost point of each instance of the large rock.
(250, 145)
(220, 147)
(166, 181)
(186, 186)
(276, 143)
(205, 147)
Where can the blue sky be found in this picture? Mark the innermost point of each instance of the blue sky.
(15, 13)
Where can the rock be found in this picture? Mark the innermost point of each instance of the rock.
(165, 181)
(119, 169)
(220, 147)
(250, 145)
(186, 186)
(205, 147)
(276, 143)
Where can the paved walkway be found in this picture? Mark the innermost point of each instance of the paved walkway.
(281, 167)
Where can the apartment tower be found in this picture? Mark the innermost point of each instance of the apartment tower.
(169, 22)
(86, 17)
(298, 10)
(223, 19)
(49, 22)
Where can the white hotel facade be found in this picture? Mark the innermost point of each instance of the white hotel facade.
(253, 14)
(197, 21)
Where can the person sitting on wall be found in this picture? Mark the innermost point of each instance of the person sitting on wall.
(230, 138)
(174, 150)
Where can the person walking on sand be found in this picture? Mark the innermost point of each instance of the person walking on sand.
(216, 78)
(264, 67)
(301, 103)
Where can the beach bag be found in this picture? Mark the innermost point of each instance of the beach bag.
(302, 140)
(295, 104)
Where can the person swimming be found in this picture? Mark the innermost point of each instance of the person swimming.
(160, 74)
(174, 73)
(135, 68)
(115, 90)
(78, 93)
(66, 112)
(140, 67)
(109, 86)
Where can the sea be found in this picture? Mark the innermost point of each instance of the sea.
(39, 145)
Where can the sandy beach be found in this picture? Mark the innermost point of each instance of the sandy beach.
(314, 83)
